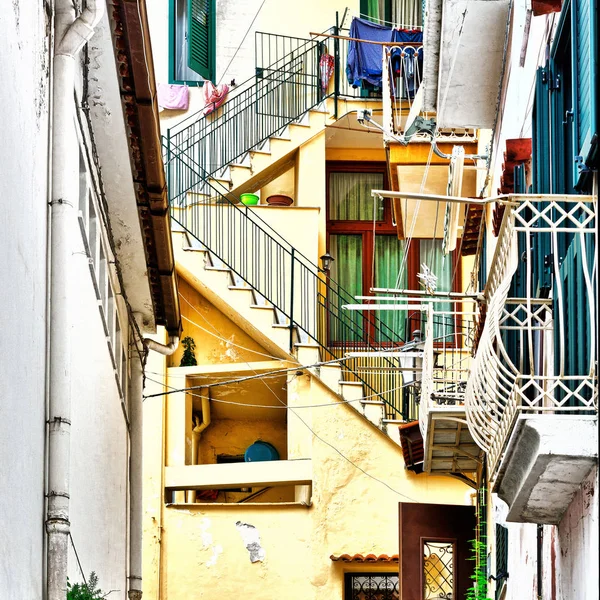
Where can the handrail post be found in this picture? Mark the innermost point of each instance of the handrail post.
(336, 68)
(293, 258)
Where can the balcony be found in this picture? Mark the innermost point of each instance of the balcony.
(531, 398)
(449, 447)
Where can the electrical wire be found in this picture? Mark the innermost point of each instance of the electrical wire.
(243, 40)
(316, 435)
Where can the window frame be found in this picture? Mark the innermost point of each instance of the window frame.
(348, 575)
(172, 41)
(385, 227)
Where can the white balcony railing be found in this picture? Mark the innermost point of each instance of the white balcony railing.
(525, 360)
(446, 361)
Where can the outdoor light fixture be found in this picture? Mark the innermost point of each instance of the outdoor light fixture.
(326, 261)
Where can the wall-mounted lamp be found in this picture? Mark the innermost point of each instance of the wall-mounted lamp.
(326, 261)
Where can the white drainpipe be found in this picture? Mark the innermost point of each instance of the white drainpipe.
(199, 427)
(136, 475)
(70, 36)
(135, 479)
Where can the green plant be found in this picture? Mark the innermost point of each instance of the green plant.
(478, 591)
(188, 359)
(85, 591)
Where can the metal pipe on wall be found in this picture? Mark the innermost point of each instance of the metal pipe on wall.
(136, 387)
(70, 35)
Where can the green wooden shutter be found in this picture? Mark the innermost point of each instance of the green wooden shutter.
(201, 36)
(583, 35)
(541, 134)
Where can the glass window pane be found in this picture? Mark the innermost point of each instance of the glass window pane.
(346, 272)
(350, 196)
(442, 267)
(438, 570)
(390, 273)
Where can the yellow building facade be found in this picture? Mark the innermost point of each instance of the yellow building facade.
(219, 524)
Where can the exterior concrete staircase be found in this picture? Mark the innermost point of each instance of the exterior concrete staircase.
(276, 155)
(269, 327)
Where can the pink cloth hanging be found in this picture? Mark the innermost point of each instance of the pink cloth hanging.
(326, 64)
(173, 97)
(214, 96)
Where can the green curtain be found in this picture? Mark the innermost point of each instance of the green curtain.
(441, 266)
(350, 196)
(346, 271)
(388, 258)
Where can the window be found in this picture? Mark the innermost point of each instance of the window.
(192, 40)
(367, 253)
(406, 13)
(371, 586)
(438, 569)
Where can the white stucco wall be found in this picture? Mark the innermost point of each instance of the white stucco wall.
(577, 559)
(23, 178)
(99, 447)
(99, 451)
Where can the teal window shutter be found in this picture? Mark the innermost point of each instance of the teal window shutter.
(201, 41)
(541, 133)
(583, 51)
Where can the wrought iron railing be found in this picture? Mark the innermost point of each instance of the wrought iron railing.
(309, 301)
(281, 93)
(537, 352)
(286, 85)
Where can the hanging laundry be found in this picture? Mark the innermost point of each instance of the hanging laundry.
(407, 62)
(214, 96)
(326, 64)
(364, 60)
(173, 97)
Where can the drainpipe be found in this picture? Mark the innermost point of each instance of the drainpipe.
(70, 35)
(136, 475)
(196, 433)
(136, 388)
(164, 349)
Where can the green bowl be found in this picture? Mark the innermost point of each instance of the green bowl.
(249, 199)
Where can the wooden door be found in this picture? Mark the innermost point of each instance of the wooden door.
(434, 551)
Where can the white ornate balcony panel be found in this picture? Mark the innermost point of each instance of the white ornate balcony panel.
(534, 381)
(449, 447)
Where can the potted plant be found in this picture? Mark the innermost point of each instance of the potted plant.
(188, 359)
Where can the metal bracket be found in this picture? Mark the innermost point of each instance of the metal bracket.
(583, 168)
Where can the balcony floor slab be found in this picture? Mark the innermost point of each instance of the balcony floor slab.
(546, 459)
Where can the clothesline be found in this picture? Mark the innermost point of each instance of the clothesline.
(350, 39)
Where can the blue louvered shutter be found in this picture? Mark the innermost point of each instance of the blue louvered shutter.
(201, 32)
(583, 50)
(541, 133)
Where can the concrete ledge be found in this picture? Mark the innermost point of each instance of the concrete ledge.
(251, 474)
(545, 462)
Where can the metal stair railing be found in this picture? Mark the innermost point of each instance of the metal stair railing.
(309, 300)
(280, 95)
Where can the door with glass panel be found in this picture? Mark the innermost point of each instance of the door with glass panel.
(367, 253)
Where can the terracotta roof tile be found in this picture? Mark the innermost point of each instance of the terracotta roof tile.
(364, 558)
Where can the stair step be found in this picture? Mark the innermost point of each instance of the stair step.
(245, 288)
(220, 268)
(393, 421)
(320, 108)
(373, 402)
(263, 306)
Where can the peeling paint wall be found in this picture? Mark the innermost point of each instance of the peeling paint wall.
(569, 557)
(201, 551)
(199, 315)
